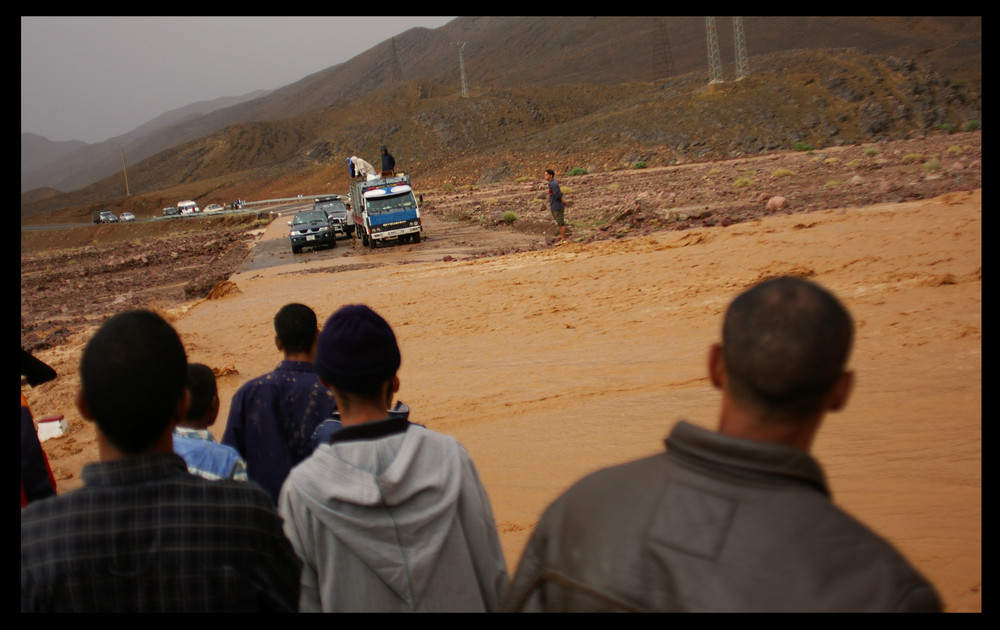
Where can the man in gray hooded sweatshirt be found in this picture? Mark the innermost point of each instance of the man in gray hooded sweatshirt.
(387, 516)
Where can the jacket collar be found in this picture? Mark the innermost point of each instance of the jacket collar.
(745, 458)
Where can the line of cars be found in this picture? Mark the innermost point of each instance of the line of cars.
(107, 216)
(190, 207)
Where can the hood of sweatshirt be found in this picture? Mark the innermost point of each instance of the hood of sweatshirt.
(392, 501)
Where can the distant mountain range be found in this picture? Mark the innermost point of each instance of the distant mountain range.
(532, 75)
(73, 164)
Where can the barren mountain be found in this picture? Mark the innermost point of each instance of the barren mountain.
(540, 92)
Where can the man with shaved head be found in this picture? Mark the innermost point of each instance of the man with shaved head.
(736, 519)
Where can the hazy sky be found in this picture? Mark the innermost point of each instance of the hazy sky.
(93, 78)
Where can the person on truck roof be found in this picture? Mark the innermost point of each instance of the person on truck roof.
(388, 163)
(363, 168)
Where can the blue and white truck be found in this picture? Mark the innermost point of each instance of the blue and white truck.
(385, 210)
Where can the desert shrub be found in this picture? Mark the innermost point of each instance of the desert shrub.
(577, 171)
(715, 171)
(910, 158)
(522, 179)
(509, 217)
(932, 165)
(448, 187)
(972, 125)
(832, 183)
(830, 160)
(871, 151)
(854, 164)
(783, 172)
(802, 146)
(639, 164)
(946, 127)
(954, 150)
(743, 182)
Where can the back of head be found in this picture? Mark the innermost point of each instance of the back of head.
(296, 326)
(201, 385)
(785, 343)
(357, 351)
(132, 375)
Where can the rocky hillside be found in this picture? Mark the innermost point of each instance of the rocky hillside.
(817, 98)
(511, 52)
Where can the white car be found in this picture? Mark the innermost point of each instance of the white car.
(126, 216)
(213, 207)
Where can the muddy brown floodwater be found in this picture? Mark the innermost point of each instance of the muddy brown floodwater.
(550, 363)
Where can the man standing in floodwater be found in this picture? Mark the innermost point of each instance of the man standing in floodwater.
(556, 203)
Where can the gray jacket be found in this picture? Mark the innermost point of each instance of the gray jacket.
(714, 524)
(396, 523)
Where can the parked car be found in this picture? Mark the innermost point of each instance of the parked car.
(336, 210)
(214, 207)
(311, 228)
(126, 217)
(171, 211)
(108, 216)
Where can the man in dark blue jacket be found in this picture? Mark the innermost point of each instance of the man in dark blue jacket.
(272, 417)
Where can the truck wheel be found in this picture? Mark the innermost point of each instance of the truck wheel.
(416, 237)
(296, 250)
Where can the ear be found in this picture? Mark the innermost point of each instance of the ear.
(395, 384)
(277, 344)
(841, 391)
(716, 366)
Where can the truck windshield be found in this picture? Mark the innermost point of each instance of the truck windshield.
(380, 205)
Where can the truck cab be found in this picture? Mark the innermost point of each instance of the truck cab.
(386, 210)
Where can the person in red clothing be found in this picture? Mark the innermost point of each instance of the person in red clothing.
(37, 481)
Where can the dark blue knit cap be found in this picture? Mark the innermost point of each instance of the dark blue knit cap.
(356, 349)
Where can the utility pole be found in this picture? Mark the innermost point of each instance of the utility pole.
(740, 42)
(125, 170)
(461, 65)
(714, 59)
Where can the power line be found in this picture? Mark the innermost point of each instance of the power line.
(397, 69)
(714, 59)
(664, 55)
(461, 65)
(739, 41)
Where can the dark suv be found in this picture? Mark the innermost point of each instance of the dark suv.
(311, 228)
(336, 210)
